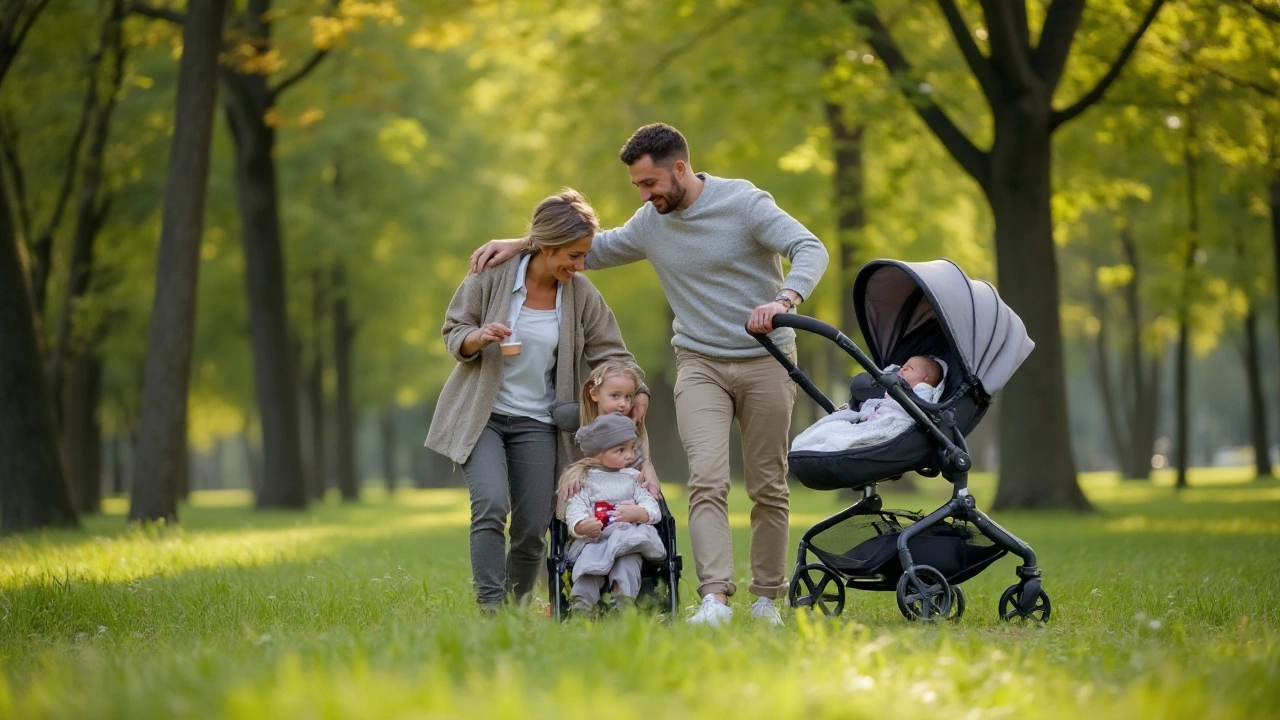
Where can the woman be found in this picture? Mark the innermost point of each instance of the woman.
(521, 332)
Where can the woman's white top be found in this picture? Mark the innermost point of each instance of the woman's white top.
(528, 380)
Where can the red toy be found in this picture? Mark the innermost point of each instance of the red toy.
(602, 513)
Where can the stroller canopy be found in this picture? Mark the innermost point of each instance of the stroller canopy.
(989, 338)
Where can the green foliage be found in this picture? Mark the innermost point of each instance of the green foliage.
(365, 611)
(432, 126)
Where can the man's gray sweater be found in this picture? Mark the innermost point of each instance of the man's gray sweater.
(717, 260)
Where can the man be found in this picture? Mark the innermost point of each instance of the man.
(717, 245)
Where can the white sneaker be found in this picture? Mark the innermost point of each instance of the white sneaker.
(712, 612)
(764, 609)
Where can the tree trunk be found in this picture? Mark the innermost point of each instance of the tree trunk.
(185, 477)
(1142, 395)
(315, 390)
(82, 433)
(162, 437)
(1257, 401)
(1182, 379)
(1112, 407)
(93, 203)
(345, 425)
(253, 463)
(247, 104)
(33, 485)
(387, 426)
(117, 465)
(1274, 206)
(1037, 468)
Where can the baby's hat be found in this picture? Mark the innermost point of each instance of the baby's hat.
(605, 432)
(942, 364)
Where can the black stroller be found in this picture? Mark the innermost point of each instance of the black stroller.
(659, 581)
(904, 310)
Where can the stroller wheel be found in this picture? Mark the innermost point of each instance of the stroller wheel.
(957, 603)
(816, 586)
(1015, 607)
(926, 596)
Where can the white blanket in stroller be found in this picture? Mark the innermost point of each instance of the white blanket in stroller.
(875, 422)
(618, 539)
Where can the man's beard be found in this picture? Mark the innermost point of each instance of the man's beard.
(672, 199)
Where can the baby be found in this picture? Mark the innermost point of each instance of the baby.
(611, 516)
(879, 419)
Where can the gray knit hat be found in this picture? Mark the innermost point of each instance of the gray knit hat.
(605, 432)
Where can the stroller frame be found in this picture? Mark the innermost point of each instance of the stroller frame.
(654, 576)
(923, 593)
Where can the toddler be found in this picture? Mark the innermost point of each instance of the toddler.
(610, 516)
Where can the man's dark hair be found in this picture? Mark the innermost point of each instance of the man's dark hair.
(661, 142)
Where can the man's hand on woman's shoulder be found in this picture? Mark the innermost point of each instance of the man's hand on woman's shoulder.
(494, 252)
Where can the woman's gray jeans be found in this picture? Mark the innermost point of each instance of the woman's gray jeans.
(511, 471)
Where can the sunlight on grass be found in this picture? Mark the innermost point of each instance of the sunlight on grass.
(1163, 606)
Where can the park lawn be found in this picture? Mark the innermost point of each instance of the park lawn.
(1165, 604)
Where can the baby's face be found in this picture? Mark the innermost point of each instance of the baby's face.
(619, 456)
(914, 371)
(614, 395)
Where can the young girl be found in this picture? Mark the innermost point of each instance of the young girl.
(610, 516)
(611, 388)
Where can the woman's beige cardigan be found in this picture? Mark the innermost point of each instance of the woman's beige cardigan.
(589, 334)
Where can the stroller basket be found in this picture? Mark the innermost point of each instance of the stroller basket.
(864, 548)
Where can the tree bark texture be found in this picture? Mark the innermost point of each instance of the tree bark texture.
(345, 411)
(162, 438)
(33, 484)
(1257, 401)
(1037, 468)
(82, 432)
(248, 102)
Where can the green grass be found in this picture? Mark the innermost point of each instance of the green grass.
(1165, 604)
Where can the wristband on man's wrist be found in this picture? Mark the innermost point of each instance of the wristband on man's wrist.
(785, 300)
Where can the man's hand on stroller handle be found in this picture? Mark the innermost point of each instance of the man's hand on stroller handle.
(762, 317)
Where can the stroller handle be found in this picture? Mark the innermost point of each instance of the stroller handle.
(817, 327)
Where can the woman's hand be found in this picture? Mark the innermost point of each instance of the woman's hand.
(628, 511)
(639, 407)
(493, 253)
(589, 529)
(485, 336)
(649, 479)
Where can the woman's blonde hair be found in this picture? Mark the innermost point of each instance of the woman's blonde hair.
(560, 220)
